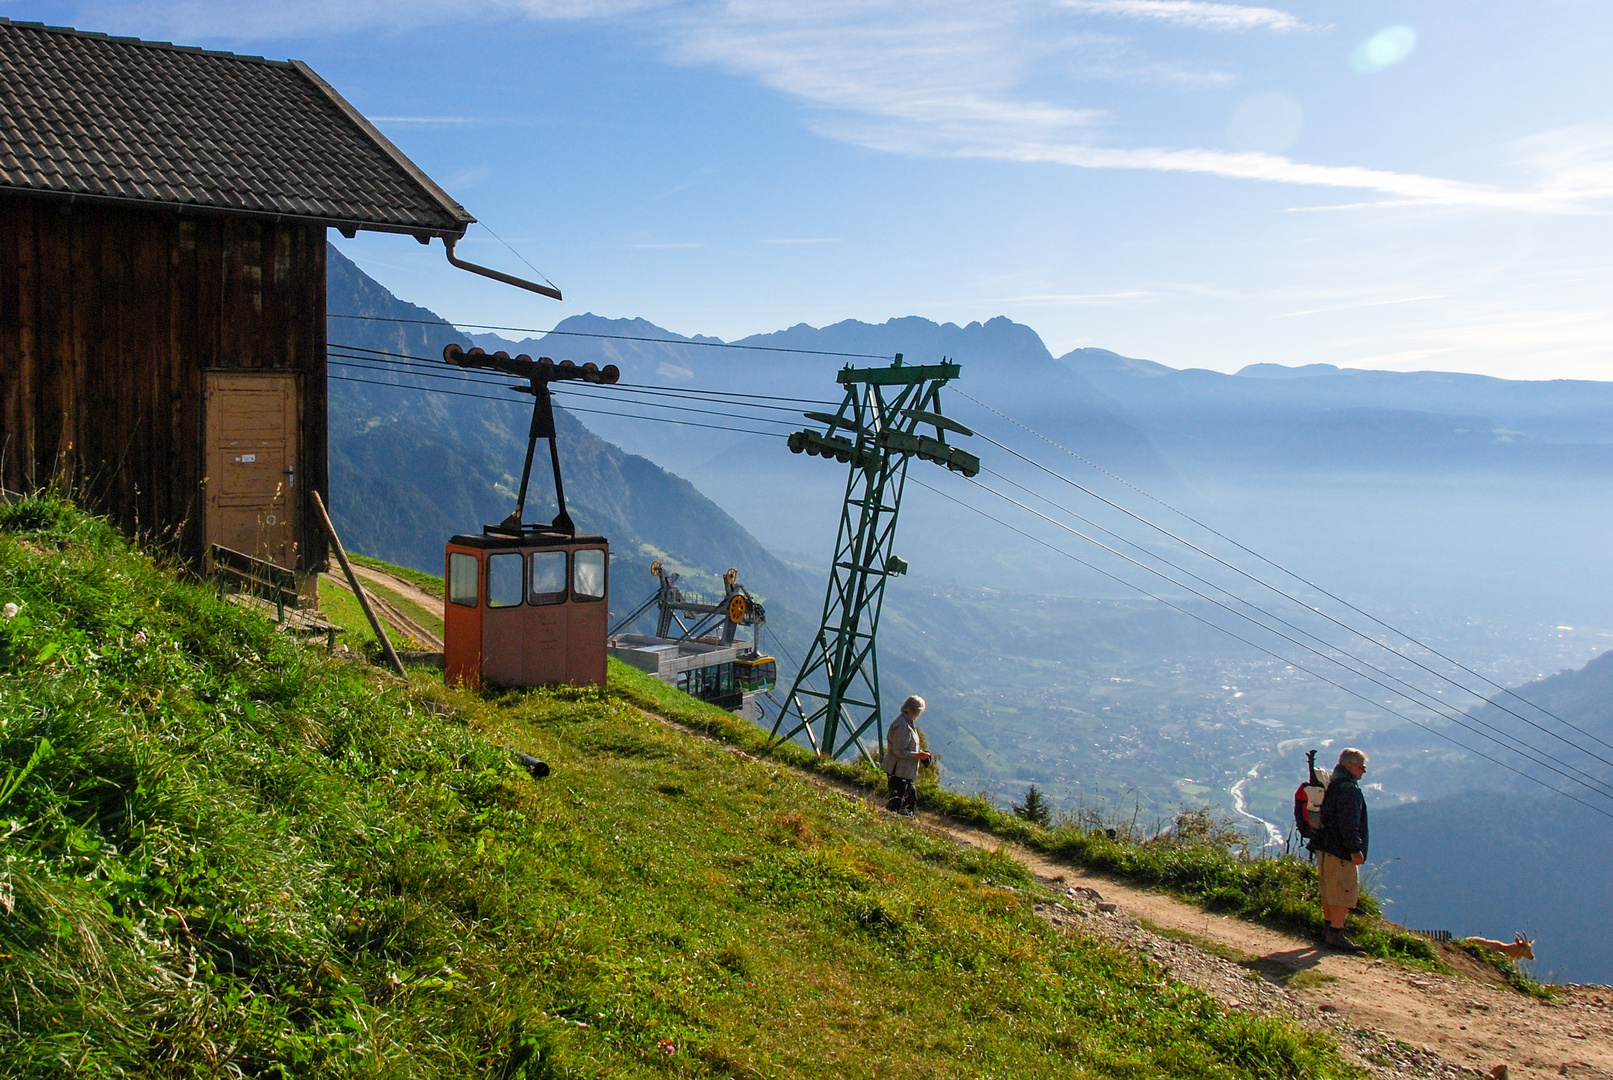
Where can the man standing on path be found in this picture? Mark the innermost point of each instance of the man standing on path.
(1341, 845)
(903, 756)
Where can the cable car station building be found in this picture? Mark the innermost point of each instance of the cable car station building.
(162, 281)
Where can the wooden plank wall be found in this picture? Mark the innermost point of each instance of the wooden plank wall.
(108, 318)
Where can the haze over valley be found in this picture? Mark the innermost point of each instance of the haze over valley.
(1467, 512)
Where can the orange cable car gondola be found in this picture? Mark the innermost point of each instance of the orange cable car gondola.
(527, 605)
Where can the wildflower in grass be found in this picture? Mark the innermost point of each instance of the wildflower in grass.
(139, 637)
(9, 612)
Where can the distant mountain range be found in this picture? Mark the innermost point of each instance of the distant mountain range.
(1399, 487)
(1320, 417)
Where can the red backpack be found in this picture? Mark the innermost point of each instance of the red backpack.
(1308, 800)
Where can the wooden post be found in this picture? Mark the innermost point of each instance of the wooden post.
(358, 590)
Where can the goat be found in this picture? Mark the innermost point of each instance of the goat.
(1522, 948)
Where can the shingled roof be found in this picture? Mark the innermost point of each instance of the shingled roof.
(98, 117)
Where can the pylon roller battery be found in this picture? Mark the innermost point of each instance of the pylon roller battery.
(835, 697)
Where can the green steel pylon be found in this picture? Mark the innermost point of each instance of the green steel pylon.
(875, 432)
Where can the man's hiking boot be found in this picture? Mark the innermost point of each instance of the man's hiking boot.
(1336, 940)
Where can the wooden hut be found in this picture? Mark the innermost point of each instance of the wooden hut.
(162, 280)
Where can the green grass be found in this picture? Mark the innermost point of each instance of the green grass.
(223, 853)
(342, 608)
(1194, 861)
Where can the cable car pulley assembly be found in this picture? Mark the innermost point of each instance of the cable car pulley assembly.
(539, 374)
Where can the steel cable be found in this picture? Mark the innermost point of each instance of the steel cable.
(601, 412)
(1274, 655)
(1591, 782)
(1289, 596)
(1415, 692)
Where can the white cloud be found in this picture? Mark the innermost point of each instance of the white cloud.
(890, 58)
(1193, 13)
(942, 78)
(1577, 161)
(1361, 304)
(949, 79)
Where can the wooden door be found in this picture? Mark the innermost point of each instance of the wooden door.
(252, 464)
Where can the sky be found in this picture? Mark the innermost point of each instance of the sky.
(1406, 186)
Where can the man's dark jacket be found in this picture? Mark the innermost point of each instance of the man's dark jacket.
(1344, 817)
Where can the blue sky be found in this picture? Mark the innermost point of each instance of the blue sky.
(1391, 185)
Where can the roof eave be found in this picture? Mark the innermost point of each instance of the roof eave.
(423, 233)
(415, 173)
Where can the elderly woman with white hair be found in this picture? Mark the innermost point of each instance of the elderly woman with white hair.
(904, 753)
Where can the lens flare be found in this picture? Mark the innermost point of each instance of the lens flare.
(1386, 48)
(1268, 122)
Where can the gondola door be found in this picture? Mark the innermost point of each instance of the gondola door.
(504, 618)
(544, 651)
(588, 617)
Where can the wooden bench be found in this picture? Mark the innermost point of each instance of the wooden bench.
(261, 585)
(256, 576)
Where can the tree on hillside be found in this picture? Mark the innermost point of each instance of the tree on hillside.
(1036, 809)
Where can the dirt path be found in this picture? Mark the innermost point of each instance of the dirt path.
(431, 601)
(406, 589)
(1467, 1021)
(388, 612)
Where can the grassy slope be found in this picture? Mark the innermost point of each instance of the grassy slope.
(1192, 862)
(238, 856)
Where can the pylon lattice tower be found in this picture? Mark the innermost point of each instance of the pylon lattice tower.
(835, 696)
